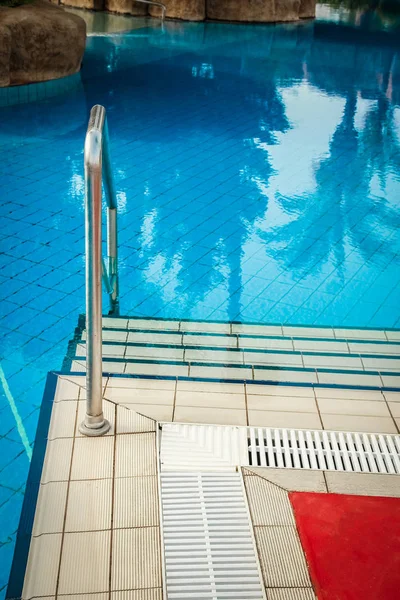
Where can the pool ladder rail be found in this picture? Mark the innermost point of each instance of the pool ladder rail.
(97, 166)
(159, 4)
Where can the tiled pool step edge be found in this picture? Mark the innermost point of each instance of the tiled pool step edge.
(259, 329)
(132, 347)
(189, 353)
(251, 373)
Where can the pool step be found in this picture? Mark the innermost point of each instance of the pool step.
(221, 351)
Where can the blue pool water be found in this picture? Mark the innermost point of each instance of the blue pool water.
(258, 179)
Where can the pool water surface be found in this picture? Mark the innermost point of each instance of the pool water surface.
(257, 170)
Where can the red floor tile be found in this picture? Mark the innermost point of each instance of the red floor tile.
(352, 545)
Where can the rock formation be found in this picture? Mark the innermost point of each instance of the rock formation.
(39, 42)
(248, 11)
(187, 10)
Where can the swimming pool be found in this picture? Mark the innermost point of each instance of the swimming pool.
(257, 171)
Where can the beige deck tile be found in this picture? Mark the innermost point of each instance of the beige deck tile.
(393, 335)
(138, 337)
(270, 359)
(149, 324)
(297, 480)
(264, 418)
(358, 423)
(373, 348)
(136, 502)
(42, 567)
(63, 417)
(136, 559)
(320, 346)
(85, 563)
(281, 403)
(108, 350)
(394, 408)
(66, 390)
(74, 386)
(79, 366)
(360, 334)
(265, 343)
(391, 380)
(136, 383)
(392, 396)
(357, 379)
(108, 412)
(268, 503)
(210, 386)
(152, 353)
(218, 416)
(130, 421)
(111, 335)
(287, 376)
(281, 557)
(149, 594)
(50, 508)
(98, 596)
(205, 327)
(82, 395)
(209, 399)
(368, 484)
(215, 356)
(112, 322)
(290, 594)
(326, 361)
(210, 340)
(381, 364)
(349, 394)
(265, 330)
(280, 390)
(158, 370)
(89, 505)
(157, 412)
(308, 332)
(114, 367)
(221, 372)
(93, 458)
(57, 461)
(139, 396)
(335, 406)
(135, 455)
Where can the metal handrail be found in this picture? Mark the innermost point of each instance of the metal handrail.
(97, 164)
(160, 4)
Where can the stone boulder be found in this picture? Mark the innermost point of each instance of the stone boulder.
(89, 4)
(307, 9)
(39, 42)
(253, 11)
(126, 7)
(187, 10)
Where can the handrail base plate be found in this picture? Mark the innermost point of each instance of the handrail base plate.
(94, 431)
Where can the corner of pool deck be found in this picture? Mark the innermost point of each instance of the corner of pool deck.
(193, 461)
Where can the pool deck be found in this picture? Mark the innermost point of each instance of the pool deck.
(97, 525)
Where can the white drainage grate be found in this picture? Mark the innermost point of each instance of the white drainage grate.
(219, 448)
(326, 450)
(208, 541)
(202, 447)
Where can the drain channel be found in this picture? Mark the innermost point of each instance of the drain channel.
(219, 448)
(326, 450)
(208, 542)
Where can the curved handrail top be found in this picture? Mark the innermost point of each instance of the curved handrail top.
(96, 145)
